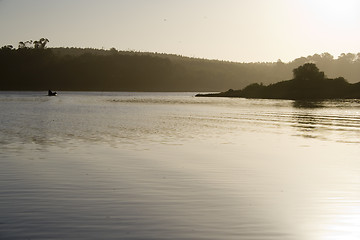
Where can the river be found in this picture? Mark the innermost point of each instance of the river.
(94, 165)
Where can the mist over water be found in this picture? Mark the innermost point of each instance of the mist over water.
(172, 166)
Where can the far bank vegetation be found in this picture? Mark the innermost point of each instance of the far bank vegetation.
(33, 66)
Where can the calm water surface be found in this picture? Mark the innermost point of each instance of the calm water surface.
(172, 166)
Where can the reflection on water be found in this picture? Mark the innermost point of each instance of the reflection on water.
(307, 104)
(172, 166)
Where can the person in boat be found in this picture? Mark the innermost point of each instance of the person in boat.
(50, 93)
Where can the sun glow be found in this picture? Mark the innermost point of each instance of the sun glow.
(334, 11)
(343, 225)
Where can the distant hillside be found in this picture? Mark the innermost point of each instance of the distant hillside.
(111, 70)
(308, 84)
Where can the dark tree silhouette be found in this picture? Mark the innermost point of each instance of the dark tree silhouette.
(40, 44)
(308, 71)
(22, 45)
(7, 47)
(37, 44)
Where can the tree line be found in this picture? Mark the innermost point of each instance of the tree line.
(33, 66)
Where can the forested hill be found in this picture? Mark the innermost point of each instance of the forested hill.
(111, 70)
(308, 83)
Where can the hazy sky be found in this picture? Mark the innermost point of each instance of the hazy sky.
(235, 30)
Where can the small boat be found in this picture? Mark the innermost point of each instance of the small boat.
(50, 93)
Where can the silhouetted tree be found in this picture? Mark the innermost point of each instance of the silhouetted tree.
(41, 43)
(37, 44)
(347, 58)
(308, 71)
(327, 57)
(21, 45)
(113, 51)
(7, 47)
